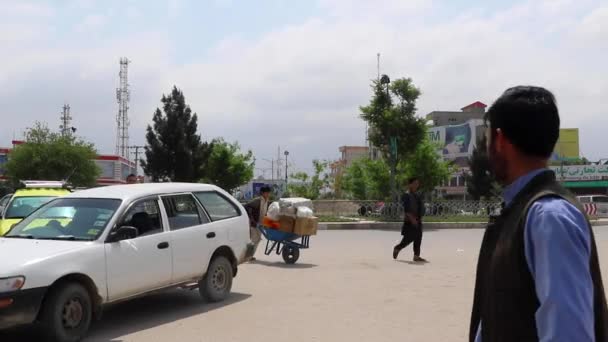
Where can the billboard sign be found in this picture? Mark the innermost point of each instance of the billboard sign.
(580, 172)
(567, 146)
(456, 143)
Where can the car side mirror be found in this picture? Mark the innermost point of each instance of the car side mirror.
(123, 233)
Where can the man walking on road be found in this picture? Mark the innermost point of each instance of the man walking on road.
(538, 274)
(412, 225)
(256, 210)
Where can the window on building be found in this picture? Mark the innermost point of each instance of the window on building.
(454, 182)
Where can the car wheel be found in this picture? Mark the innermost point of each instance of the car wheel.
(217, 282)
(67, 313)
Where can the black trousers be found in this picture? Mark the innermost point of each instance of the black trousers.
(411, 233)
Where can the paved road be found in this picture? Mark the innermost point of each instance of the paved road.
(346, 287)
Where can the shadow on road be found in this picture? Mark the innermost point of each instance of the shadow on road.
(280, 264)
(137, 315)
(415, 263)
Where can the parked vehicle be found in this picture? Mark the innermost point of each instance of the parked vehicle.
(24, 201)
(61, 265)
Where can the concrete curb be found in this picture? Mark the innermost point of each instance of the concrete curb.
(397, 225)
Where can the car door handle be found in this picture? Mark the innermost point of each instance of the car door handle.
(163, 245)
(210, 235)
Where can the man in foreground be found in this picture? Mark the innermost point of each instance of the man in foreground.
(412, 224)
(538, 274)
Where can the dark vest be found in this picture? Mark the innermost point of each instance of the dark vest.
(505, 298)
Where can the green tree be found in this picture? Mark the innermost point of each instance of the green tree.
(394, 128)
(480, 181)
(227, 167)
(355, 181)
(370, 179)
(175, 151)
(367, 179)
(310, 186)
(46, 155)
(426, 164)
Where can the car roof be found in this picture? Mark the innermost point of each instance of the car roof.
(40, 192)
(133, 191)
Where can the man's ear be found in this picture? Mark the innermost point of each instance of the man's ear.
(499, 140)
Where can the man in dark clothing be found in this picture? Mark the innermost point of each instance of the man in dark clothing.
(256, 209)
(538, 275)
(412, 225)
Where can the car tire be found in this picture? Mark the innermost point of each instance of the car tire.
(217, 282)
(67, 313)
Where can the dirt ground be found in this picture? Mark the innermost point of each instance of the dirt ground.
(346, 287)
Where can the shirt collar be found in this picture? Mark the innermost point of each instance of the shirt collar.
(514, 188)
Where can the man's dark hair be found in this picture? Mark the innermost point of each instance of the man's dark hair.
(265, 189)
(411, 180)
(131, 175)
(528, 117)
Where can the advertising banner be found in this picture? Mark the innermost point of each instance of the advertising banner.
(456, 142)
(581, 172)
(567, 146)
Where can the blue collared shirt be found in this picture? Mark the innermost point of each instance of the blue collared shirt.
(557, 245)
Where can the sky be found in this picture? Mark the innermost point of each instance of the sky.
(293, 73)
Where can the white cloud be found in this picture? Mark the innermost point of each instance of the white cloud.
(595, 26)
(91, 22)
(25, 8)
(300, 86)
(174, 8)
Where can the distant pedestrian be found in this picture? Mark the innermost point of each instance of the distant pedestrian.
(538, 274)
(131, 179)
(256, 209)
(412, 222)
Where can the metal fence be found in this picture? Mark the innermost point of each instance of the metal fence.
(393, 210)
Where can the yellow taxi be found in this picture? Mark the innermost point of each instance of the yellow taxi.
(31, 196)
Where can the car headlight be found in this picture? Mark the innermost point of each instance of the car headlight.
(11, 284)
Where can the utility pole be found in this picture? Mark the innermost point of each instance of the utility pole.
(279, 162)
(286, 177)
(136, 153)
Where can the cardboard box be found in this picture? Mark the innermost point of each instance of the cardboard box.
(306, 226)
(286, 223)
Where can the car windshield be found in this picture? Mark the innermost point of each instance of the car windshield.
(21, 207)
(81, 219)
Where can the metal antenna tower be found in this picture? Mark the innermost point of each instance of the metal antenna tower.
(122, 119)
(66, 121)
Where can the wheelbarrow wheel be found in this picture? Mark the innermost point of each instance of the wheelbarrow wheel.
(291, 254)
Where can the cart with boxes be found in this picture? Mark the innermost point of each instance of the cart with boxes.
(287, 228)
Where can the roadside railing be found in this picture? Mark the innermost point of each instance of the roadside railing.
(393, 211)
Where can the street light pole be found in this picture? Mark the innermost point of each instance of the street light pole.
(286, 177)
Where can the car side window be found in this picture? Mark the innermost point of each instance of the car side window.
(145, 216)
(218, 207)
(182, 211)
(4, 200)
(585, 199)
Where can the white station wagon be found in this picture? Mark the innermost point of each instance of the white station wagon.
(77, 253)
